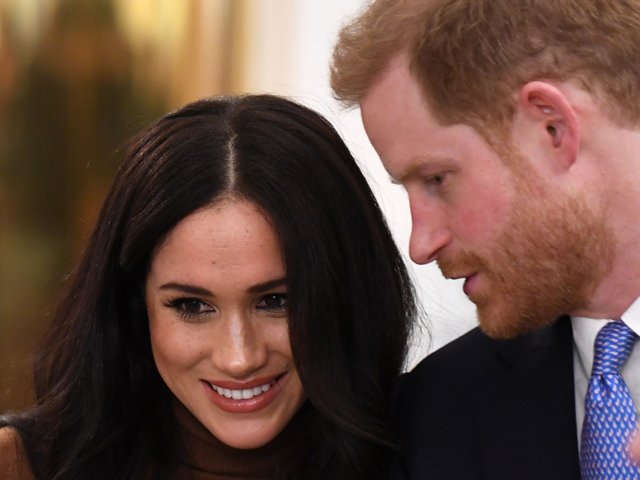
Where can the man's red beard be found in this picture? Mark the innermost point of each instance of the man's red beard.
(553, 252)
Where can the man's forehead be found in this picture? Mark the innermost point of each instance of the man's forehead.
(385, 84)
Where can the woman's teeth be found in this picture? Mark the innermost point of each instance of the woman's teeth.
(243, 394)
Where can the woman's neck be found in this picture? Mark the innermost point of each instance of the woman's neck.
(203, 456)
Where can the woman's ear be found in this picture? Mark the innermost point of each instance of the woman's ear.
(545, 119)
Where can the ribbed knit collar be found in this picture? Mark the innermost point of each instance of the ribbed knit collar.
(207, 458)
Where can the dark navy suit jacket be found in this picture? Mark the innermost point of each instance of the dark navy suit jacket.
(482, 409)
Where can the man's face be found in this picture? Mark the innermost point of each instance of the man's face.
(528, 253)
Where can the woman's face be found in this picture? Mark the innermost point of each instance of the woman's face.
(216, 297)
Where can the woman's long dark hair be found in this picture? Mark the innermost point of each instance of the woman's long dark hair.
(102, 410)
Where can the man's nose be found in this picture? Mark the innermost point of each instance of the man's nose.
(429, 232)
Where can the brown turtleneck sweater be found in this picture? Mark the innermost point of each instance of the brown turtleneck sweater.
(207, 458)
(204, 457)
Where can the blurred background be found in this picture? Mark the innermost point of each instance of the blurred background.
(79, 77)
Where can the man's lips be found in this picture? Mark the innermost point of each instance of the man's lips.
(466, 267)
(469, 284)
(469, 281)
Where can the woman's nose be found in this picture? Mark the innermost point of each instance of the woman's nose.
(239, 348)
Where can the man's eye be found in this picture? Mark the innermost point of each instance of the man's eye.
(437, 179)
(437, 183)
(273, 303)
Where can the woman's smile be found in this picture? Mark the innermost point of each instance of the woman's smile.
(234, 397)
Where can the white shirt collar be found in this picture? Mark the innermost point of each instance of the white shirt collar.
(586, 329)
(632, 317)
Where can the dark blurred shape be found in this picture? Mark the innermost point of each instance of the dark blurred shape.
(71, 94)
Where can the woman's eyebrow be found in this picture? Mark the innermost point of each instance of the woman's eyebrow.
(186, 288)
(268, 285)
(194, 290)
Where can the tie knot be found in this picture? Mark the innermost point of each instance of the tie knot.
(613, 345)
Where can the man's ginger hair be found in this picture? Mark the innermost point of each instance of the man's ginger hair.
(470, 57)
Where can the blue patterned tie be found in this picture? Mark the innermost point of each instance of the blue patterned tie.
(610, 415)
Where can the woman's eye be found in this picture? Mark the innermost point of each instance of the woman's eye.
(190, 307)
(273, 303)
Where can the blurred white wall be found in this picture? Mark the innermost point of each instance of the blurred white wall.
(290, 45)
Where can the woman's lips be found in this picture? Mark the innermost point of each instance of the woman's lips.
(241, 392)
(234, 397)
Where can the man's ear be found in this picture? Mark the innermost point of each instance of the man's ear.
(546, 120)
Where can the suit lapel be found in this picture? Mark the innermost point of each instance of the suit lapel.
(526, 417)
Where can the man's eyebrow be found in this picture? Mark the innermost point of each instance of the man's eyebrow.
(419, 163)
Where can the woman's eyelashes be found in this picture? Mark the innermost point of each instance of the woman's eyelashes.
(191, 308)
